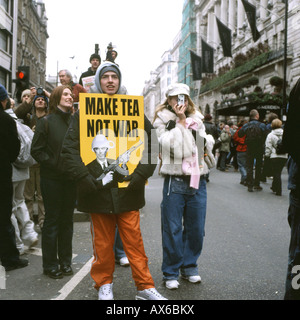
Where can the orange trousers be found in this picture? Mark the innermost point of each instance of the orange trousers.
(103, 227)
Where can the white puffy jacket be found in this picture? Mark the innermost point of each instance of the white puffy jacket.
(271, 143)
(178, 144)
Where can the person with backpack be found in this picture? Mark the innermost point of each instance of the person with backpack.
(277, 161)
(255, 132)
(24, 226)
(9, 150)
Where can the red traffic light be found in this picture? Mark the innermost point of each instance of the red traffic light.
(20, 75)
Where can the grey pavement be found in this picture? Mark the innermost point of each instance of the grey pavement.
(244, 255)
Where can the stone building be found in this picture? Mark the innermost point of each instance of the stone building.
(23, 41)
(253, 77)
(155, 88)
(32, 40)
(8, 41)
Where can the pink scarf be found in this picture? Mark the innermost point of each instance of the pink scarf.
(190, 166)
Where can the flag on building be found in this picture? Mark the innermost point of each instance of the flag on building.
(207, 57)
(251, 16)
(225, 37)
(196, 63)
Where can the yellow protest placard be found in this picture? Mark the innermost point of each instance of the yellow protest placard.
(118, 120)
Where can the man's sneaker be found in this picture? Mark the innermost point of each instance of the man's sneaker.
(124, 262)
(172, 284)
(149, 294)
(258, 188)
(105, 292)
(192, 279)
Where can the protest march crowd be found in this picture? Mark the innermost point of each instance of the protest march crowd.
(89, 146)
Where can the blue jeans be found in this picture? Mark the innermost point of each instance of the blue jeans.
(292, 292)
(118, 246)
(57, 233)
(242, 162)
(183, 212)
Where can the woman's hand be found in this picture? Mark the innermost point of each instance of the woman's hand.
(180, 112)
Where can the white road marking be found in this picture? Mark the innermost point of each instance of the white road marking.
(75, 280)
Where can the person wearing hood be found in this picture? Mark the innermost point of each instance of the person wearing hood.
(186, 156)
(110, 206)
(95, 61)
(110, 87)
(278, 161)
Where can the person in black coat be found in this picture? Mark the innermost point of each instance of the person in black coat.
(9, 150)
(95, 61)
(110, 205)
(58, 191)
(290, 139)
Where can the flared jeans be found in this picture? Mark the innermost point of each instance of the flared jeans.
(183, 213)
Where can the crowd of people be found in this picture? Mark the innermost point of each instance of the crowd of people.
(250, 147)
(57, 179)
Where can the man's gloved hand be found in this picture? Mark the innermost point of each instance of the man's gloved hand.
(87, 185)
(136, 181)
(108, 178)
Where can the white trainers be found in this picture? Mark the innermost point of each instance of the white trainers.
(192, 279)
(149, 294)
(33, 242)
(124, 262)
(172, 284)
(105, 292)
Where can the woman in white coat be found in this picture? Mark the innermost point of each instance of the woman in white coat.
(185, 152)
(278, 161)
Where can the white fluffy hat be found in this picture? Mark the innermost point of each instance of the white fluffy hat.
(176, 89)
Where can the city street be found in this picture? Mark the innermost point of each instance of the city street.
(244, 256)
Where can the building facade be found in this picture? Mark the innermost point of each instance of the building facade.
(253, 77)
(32, 40)
(23, 42)
(8, 41)
(155, 88)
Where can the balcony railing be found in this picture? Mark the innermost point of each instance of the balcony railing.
(249, 66)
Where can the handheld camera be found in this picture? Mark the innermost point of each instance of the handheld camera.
(181, 99)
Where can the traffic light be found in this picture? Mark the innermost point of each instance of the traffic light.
(22, 81)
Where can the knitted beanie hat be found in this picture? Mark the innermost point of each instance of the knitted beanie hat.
(3, 93)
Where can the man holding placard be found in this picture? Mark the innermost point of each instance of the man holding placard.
(117, 200)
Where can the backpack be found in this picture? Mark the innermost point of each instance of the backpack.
(253, 133)
(280, 148)
(24, 159)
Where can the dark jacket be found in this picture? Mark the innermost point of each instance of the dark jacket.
(9, 145)
(211, 128)
(107, 199)
(47, 143)
(24, 112)
(260, 143)
(88, 73)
